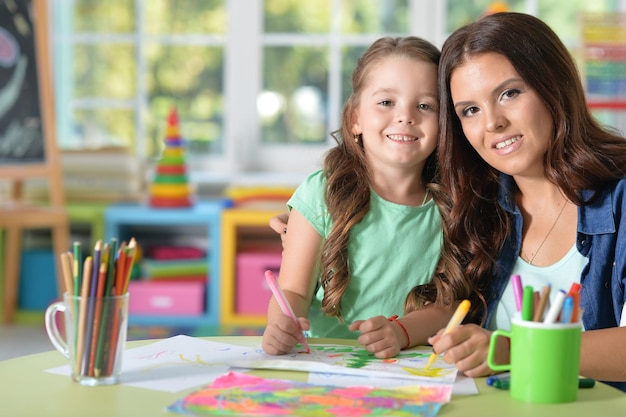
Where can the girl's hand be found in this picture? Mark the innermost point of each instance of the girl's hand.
(467, 347)
(380, 336)
(281, 335)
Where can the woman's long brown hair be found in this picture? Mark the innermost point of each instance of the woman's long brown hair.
(582, 156)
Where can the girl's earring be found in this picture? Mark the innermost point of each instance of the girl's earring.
(356, 138)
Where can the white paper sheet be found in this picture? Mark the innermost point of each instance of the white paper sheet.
(173, 364)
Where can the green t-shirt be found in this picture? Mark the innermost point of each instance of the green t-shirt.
(393, 249)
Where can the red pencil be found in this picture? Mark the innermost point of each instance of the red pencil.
(574, 292)
(121, 273)
(97, 314)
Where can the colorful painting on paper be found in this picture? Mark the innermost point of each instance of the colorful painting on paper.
(240, 394)
(352, 360)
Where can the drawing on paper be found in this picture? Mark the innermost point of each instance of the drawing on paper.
(352, 360)
(240, 394)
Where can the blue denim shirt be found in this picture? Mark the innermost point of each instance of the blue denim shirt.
(601, 237)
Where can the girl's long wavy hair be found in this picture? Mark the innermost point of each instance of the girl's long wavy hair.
(583, 155)
(348, 183)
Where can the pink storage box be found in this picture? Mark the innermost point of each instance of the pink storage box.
(166, 298)
(252, 291)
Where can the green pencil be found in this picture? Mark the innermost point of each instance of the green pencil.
(104, 321)
(77, 252)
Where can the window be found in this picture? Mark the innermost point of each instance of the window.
(258, 84)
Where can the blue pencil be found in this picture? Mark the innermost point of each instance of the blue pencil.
(567, 310)
(498, 377)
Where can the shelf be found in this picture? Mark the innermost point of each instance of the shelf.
(243, 229)
(607, 104)
(122, 220)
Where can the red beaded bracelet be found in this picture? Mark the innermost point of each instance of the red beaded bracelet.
(408, 339)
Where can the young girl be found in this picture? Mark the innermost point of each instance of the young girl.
(364, 230)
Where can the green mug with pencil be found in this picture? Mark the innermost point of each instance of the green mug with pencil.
(545, 360)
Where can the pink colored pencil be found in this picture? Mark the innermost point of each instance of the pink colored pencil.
(284, 304)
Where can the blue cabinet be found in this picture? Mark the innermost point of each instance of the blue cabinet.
(199, 224)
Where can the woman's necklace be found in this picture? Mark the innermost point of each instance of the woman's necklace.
(531, 259)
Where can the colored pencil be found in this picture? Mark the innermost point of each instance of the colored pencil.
(130, 259)
(285, 307)
(91, 305)
(102, 276)
(516, 282)
(77, 254)
(66, 267)
(457, 318)
(104, 321)
(554, 310)
(118, 287)
(111, 266)
(567, 310)
(82, 316)
(123, 270)
(574, 292)
(528, 301)
(543, 302)
(77, 257)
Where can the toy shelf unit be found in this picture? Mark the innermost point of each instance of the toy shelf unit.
(176, 281)
(86, 222)
(37, 284)
(604, 54)
(249, 247)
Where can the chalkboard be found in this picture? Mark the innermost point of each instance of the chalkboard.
(22, 132)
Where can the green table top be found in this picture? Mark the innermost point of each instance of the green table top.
(26, 390)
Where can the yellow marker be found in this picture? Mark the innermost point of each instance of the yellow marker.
(457, 318)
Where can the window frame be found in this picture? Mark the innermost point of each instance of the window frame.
(243, 151)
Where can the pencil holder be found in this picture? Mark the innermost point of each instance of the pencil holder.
(95, 335)
(545, 360)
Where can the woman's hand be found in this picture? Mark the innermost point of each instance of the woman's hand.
(467, 347)
(281, 335)
(380, 336)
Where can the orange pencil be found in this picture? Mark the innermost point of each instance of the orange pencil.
(542, 303)
(66, 267)
(120, 289)
(98, 313)
(574, 291)
(82, 315)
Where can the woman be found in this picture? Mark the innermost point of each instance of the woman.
(533, 186)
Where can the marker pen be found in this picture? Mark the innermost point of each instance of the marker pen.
(555, 307)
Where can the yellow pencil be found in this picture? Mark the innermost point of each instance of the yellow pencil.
(130, 259)
(457, 318)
